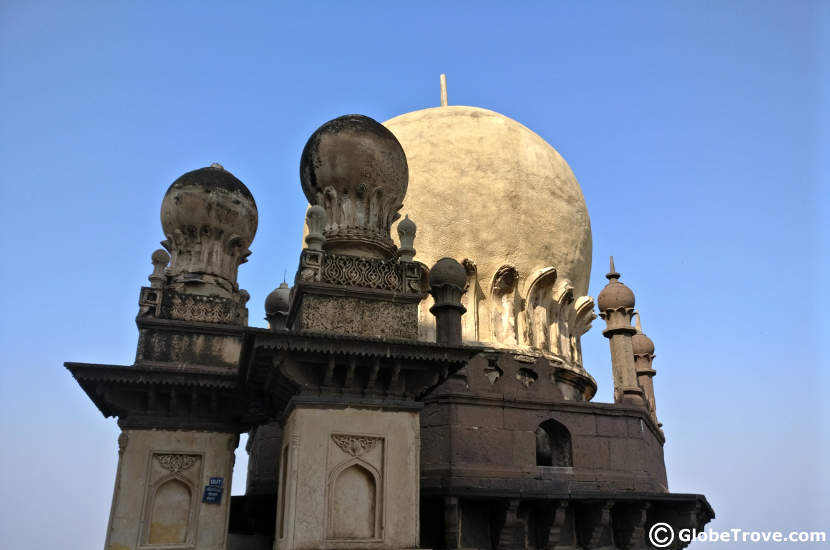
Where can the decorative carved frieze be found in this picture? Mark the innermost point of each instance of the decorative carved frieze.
(176, 463)
(193, 307)
(362, 272)
(344, 271)
(169, 304)
(355, 445)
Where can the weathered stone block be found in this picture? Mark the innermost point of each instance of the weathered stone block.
(482, 445)
(615, 426)
(590, 452)
(636, 427)
(435, 445)
(578, 423)
(524, 449)
(526, 419)
(435, 414)
(358, 317)
(626, 454)
(480, 415)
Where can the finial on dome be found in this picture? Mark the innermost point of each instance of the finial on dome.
(615, 295)
(444, 102)
(217, 166)
(612, 274)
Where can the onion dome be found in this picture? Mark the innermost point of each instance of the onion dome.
(615, 295)
(356, 170)
(279, 300)
(448, 271)
(641, 343)
(209, 218)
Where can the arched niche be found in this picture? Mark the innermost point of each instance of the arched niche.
(354, 502)
(539, 297)
(561, 326)
(471, 300)
(505, 306)
(553, 445)
(171, 514)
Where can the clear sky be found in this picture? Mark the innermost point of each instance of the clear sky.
(698, 132)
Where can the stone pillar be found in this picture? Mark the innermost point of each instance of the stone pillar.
(349, 477)
(160, 496)
(264, 444)
(616, 305)
(447, 280)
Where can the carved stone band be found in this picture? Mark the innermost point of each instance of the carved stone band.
(355, 445)
(176, 463)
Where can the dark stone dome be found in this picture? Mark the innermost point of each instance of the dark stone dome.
(279, 300)
(211, 177)
(210, 197)
(353, 151)
(448, 271)
(355, 168)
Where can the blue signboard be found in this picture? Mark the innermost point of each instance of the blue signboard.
(213, 491)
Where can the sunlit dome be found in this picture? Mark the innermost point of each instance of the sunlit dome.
(484, 187)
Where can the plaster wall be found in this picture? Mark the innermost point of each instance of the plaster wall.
(157, 501)
(349, 478)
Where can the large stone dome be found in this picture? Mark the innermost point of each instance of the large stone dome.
(484, 188)
(497, 191)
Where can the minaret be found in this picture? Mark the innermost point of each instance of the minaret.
(616, 307)
(643, 349)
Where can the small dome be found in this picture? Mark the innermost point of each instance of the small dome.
(642, 344)
(212, 177)
(407, 226)
(160, 256)
(355, 168)
(614, 296)
(279, 300)
(448, 271)
(212, 197)
(209, 219)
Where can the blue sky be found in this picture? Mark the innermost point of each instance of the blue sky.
(698, 132)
